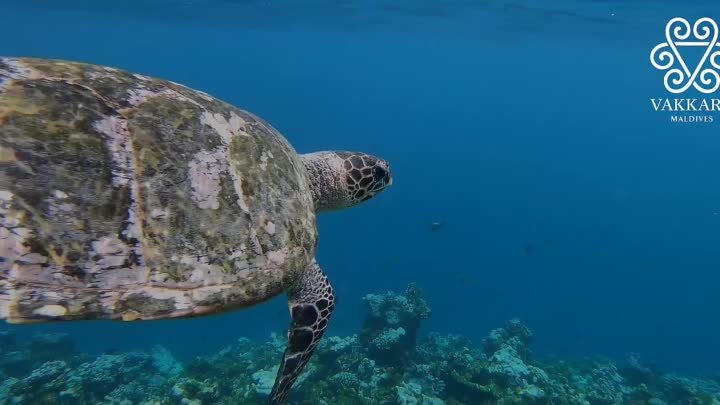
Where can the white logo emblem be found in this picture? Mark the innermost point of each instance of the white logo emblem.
(667, 55)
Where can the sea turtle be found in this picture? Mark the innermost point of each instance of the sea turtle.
(129, 197)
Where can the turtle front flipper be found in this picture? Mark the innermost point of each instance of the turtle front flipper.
(311, 306)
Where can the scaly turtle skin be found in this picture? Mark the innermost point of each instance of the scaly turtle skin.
(129, 197)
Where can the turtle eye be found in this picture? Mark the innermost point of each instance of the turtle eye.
(380, 174)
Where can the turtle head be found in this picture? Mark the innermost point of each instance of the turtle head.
(342, 179)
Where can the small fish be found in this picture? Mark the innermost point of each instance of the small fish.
(436, 226)
(528, 249)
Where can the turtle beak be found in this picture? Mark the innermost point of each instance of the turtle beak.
(388, 180)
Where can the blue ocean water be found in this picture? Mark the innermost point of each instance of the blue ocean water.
(525, 127)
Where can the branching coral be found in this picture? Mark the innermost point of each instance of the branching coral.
(391, 325)
(604, 386)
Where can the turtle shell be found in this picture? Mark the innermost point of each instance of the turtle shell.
(125, 196)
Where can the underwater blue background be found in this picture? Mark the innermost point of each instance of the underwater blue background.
(525, 126)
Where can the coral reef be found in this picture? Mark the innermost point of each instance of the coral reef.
(392, 323)
(388, 362)
(20, 359)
